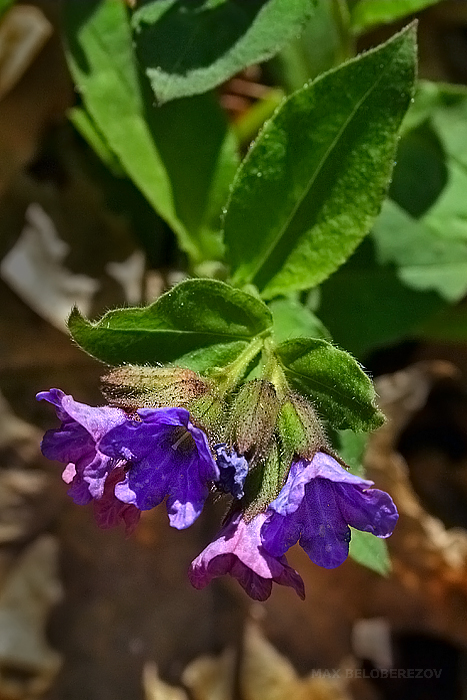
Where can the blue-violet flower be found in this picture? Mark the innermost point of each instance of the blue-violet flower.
(109, 511)
(167, 456)
(76, 443)
(315, 507)
(233, 470)
(238, 551)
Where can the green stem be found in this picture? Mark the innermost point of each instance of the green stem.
(341, 13)
(228, 377)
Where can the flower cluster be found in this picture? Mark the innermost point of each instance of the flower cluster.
(126, 462)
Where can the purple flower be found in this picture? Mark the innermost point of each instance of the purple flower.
(76, 443)
(238, 551)
(318, 502)
(109, 511)
(167, 456)
(233, 470)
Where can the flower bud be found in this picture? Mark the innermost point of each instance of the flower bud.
(208, 412)
(265, 481)
(253, 419)
(300, 429)
(131, 387)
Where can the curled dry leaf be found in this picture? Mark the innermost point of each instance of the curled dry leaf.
(263, 674)
(430, 560)
(268, 675)
(28, 665)
(421, 542)
(34, 269)
(23, 32)
(27, 494)
(156, 689)
(210, 677)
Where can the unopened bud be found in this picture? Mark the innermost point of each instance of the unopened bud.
(300, 429)
(253, 419)
(131, 387)
(208, 412)
(265, 481)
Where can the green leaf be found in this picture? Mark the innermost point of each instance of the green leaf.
(159, 149)
(335, 382)
(293, 320)
(369, 13)
(351, 449)
(88, 130)
(410, 265)
(370, 551)
(190, 48)
(421, 172)
(427, 258)
(380, 309)
(312, 184)
(198, 324)
(324, 43)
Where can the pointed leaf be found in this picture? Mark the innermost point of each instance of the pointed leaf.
(198, 324)
(369, 13)
(370, 551)
(189, 48)
(427, 258)
(334, 381)
(313, 183)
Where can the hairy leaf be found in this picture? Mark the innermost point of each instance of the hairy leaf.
(334, 381)
(187, 48)
(313, 183)
(198, 324)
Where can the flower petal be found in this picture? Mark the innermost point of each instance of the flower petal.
(110, 512)
(370, 510)
(238, 551)
(168, 456)
(233, 470)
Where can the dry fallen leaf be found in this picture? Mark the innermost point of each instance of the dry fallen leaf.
(27, 495)
(34, 269)
(263, 674)
(156, 689)
(211, 677)
(23, 32)
(28, 665)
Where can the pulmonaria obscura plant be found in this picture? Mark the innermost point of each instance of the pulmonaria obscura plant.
(229, 390)
(245, 430)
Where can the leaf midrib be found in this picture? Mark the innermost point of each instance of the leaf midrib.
(208, 334)
(315, 175)
(327, 388)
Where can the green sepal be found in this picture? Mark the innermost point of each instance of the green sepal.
(253, 419)
(265, 481)
(131, 387)
(299, 427)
